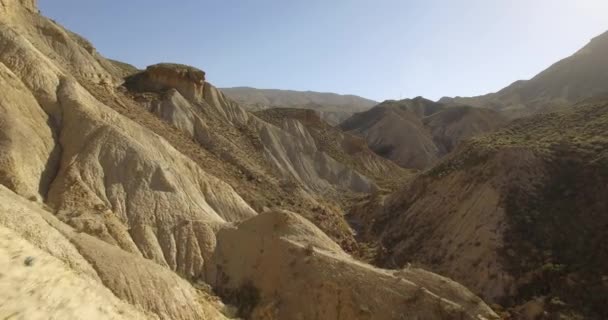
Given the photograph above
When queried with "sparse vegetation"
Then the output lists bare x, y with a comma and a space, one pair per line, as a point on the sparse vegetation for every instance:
558, 230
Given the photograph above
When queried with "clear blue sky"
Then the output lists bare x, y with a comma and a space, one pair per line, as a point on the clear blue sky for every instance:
380, 49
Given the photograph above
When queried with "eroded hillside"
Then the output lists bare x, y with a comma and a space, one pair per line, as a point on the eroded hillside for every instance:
415, 133
519, 215
155, 196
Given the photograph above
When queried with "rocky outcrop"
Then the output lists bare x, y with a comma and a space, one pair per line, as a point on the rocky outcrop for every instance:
157, 193
189, 81
287, 148
294, 152
75, 145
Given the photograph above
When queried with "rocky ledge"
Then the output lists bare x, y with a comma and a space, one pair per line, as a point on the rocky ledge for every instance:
189, 81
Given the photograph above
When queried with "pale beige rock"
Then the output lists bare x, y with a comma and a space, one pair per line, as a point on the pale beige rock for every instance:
189, 81
29, 170
293, 266
144, 283
293, 152
86, 259
26, 219
289, 149
45, 288
156, 192
11, 5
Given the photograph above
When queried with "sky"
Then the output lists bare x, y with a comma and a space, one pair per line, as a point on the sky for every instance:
379, 49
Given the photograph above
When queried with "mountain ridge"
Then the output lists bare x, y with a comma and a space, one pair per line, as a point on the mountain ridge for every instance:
517, 214
332, 107
568, 81
415, 133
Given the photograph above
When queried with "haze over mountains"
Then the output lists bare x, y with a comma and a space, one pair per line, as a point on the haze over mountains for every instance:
333, 108
580, 76
151, 194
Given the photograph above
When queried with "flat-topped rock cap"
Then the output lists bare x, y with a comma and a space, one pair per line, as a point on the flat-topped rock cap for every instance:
182, 70
189, 81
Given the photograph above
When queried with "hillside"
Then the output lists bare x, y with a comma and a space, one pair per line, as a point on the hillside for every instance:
415, 133
518, 215
580, 76
333, 108
147, 194
342, 146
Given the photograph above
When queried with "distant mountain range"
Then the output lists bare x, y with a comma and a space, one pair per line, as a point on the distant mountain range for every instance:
415, 133
333, 108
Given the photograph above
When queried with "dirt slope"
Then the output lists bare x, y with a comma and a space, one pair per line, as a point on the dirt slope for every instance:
514, 215
275, 163
580, 76
68, 274
344, 147
289, 265
415, 133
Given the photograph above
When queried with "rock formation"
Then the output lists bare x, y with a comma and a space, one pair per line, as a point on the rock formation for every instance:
155, 198
415, 133
188, 81
346, 148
